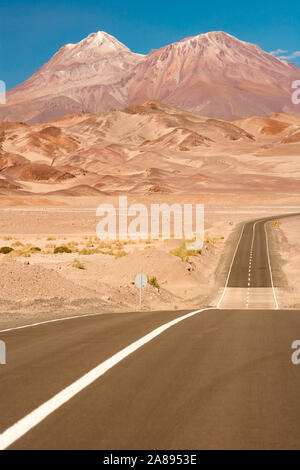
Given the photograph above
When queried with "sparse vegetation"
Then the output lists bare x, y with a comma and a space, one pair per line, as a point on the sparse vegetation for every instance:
50, 245
23, 250
120, 254
77, 264
73, 243
153, 282
17, 243
183, 253
62, 249
4, 250
35, 249
213, 240
89, 251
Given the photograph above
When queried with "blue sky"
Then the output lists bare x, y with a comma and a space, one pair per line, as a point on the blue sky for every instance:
32, 31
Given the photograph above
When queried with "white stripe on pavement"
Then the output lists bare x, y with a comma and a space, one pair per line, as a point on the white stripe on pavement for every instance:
21, 427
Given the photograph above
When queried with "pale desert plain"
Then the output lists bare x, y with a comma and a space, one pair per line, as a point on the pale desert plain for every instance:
55, 175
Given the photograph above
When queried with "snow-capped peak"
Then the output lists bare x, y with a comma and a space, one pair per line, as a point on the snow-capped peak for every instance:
103, 40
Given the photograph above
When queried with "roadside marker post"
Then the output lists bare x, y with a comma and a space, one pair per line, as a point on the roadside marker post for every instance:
141, 282
2, 352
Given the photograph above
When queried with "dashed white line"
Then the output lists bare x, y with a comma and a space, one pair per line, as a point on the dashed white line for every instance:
230, 267
10, 435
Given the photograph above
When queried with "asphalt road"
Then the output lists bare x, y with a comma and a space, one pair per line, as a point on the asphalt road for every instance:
219, 379
254, 239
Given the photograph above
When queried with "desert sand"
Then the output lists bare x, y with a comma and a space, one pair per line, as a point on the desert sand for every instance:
151, 149
54, 176
98, 277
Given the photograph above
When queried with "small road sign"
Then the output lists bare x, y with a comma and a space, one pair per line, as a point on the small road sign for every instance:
141, 282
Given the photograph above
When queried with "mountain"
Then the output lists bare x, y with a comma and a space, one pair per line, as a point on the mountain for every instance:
78, 78
214, 74
149, 148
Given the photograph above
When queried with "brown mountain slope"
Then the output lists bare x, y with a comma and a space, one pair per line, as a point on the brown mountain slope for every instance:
212, 74
150, 148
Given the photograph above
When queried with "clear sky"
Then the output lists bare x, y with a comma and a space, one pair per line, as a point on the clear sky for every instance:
32, 31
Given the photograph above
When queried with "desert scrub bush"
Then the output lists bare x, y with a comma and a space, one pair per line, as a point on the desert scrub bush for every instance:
91, 251
101, 244
77, 264
16, 253
73, 243
7, 237
49, 239
4, 250
153, 282
213, 240
50, 245
183, 253
17, 243
62, 249
73, 248
35, 249
120, 244
120, 254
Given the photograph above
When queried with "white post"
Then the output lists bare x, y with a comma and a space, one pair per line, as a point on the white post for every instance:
2, 352
141, 294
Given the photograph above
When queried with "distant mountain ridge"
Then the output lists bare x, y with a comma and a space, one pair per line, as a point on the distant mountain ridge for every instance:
212, 74
153, 148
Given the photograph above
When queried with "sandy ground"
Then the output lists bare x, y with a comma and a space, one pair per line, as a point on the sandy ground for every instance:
34, 284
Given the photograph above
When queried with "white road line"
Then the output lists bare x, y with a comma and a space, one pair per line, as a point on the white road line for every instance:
50, 321
21, 427
230, 267
253, 235
271, 275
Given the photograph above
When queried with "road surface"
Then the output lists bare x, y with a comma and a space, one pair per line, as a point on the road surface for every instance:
219, 378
